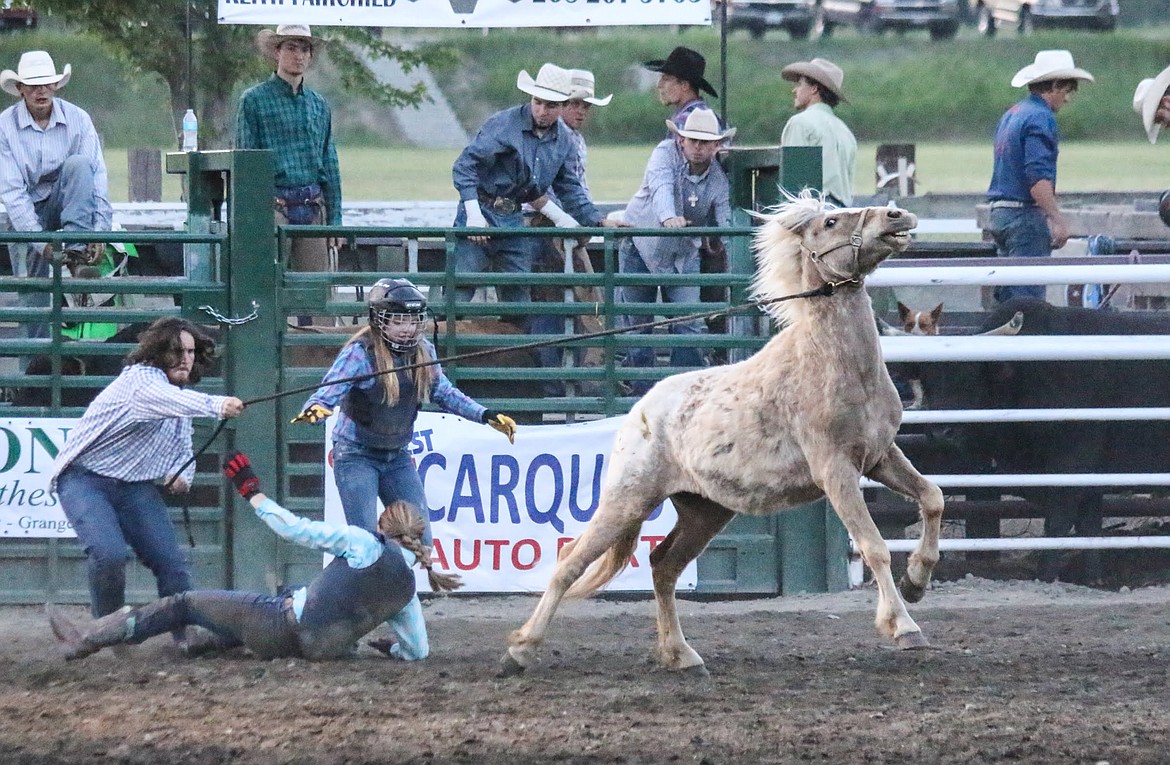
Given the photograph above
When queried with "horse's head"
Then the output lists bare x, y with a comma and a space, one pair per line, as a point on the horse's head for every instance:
805, 243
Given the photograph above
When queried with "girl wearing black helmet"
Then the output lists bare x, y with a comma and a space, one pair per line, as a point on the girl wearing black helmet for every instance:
376, 421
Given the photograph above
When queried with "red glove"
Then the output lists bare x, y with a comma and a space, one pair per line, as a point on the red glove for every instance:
239, 470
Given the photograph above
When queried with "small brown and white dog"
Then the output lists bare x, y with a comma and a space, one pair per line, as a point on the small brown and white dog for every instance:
916, 322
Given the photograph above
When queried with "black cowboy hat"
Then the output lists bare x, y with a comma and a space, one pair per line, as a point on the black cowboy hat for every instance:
685, 64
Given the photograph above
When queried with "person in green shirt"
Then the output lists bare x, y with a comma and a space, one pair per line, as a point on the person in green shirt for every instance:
284, 115
816, 92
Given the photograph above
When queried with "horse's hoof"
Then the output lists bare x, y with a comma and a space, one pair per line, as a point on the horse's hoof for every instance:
696, 672
911, 592
509, 667
911, 641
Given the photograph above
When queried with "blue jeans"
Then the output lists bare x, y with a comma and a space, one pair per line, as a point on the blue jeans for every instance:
108, 514
1020, 232
364, 475
630, 262
262, 623
509, 255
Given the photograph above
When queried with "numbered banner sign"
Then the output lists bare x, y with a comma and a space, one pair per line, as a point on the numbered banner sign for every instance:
501, 512
476, 14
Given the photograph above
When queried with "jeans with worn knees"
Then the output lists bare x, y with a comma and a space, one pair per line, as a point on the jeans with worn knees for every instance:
262, 623
1020, 232
508, 255
364, 475
109, 514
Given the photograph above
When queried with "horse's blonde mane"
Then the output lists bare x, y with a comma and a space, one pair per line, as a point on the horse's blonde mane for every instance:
777, 248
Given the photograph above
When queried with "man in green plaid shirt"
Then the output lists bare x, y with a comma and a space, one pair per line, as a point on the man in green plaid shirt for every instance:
284, 115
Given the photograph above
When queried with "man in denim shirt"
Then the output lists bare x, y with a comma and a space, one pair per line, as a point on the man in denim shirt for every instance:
517, 156
1025, 218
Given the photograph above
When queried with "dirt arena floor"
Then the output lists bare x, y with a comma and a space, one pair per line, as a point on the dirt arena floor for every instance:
1019, 672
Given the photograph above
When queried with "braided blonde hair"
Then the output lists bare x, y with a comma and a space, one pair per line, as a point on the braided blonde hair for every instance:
401, 522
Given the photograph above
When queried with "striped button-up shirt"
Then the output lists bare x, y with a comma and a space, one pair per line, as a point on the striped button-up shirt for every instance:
138, 428
31, 156
297, 127
670, 190
353, 361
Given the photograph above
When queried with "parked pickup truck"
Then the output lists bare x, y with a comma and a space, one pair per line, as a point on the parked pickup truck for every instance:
758, 16
939, 17
1026, 16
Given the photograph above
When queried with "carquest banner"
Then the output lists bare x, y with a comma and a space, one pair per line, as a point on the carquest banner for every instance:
474, 14
500, 512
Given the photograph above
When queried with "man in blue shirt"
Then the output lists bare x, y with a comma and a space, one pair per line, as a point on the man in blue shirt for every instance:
1025, 218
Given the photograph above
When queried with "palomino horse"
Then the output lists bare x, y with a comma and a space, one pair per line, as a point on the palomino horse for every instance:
807, 416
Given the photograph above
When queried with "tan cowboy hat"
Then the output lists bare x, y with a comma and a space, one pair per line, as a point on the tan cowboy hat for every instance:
1146, 99
702, 125
552, 83
819, 70
582, 81
36, 67
1050, 65
268, 41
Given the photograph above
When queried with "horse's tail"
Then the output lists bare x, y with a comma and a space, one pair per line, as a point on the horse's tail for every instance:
611, 563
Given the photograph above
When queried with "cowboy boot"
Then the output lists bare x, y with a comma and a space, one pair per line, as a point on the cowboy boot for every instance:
109, 630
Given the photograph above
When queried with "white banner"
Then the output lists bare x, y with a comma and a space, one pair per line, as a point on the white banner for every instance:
500, 512
476, 14
28, 447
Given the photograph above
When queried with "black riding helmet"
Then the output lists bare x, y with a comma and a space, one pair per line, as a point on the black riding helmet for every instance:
397, 300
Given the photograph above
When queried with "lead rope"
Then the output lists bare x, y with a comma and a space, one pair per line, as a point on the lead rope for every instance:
825, 290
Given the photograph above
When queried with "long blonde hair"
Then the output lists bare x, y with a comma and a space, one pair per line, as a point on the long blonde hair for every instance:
401, 522
424, 377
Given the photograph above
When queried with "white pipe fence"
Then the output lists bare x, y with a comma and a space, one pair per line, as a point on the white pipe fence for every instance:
890, 274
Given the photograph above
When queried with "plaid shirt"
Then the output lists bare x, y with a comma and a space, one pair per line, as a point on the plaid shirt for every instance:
297, 127
353, 361
137, 429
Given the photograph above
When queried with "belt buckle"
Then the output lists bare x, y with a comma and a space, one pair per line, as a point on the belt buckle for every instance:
504, 206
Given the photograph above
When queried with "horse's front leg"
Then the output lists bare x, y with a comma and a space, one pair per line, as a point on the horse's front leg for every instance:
840, 482
896, 472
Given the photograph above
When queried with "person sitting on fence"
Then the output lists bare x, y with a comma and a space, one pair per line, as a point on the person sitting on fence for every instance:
368, 582
371, 456
682, 186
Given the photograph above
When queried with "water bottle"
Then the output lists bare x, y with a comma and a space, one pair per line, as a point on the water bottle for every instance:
190, 131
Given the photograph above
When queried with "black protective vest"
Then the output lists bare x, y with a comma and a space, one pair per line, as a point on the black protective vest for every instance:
344, 603
378, 425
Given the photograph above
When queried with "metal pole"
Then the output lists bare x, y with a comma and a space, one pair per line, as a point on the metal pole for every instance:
723, 60
190, 61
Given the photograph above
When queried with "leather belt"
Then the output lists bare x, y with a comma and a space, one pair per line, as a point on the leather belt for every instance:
1012, 203
499, 205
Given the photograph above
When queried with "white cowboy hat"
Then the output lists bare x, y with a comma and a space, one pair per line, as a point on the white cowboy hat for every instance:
582, 82
1050, 65
702, 125
36, 67
268, 41
818, 70
1146, 99
552, 83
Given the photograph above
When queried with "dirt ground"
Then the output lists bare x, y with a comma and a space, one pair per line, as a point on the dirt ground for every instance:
1019, 672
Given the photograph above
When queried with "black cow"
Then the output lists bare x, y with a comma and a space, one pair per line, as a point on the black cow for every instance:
1052, 447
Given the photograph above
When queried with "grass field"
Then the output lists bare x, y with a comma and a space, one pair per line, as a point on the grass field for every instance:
615, 172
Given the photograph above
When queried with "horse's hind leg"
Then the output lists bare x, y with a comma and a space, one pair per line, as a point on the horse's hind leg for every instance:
896, 472
619, 516
699, 520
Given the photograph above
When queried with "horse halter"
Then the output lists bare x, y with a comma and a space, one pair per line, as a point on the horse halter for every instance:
853, 241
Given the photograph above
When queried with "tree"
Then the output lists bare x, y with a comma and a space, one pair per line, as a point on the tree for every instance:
152, 36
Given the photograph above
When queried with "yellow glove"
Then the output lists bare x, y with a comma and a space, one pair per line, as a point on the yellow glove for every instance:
312, 415
502, 423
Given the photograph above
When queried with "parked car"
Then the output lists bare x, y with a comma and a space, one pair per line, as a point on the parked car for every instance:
758, 16
1025, 16
939, 17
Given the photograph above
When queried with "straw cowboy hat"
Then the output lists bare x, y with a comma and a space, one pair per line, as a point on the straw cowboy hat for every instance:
1146, 99
268, 41
819, 70
685, 64
552, 83
1050, 65
36, 67
582, 81
702, 125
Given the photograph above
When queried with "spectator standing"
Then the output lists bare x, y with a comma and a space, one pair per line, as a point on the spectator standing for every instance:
681, 82
136, 432
582, 98
1025, 218
52, 173
682, 186
517, 156
816, 92
290, 119
1151, 100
